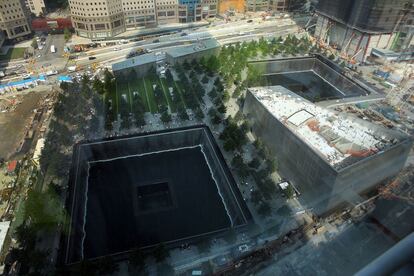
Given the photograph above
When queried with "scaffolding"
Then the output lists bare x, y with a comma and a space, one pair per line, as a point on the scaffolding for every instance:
375, 16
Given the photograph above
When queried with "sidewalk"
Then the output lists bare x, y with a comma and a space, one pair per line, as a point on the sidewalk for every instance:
160, 29
133, 33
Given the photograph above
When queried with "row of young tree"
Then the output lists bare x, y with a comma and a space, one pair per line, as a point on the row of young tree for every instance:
232, 65
43, 215
75, 115
133, 113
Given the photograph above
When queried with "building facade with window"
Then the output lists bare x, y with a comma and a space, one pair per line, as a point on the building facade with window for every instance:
37, 7
14, 19
266, 5
98, 19
139, 13
193, 9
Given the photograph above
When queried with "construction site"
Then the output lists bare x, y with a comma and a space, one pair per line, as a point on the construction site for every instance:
22, 118
356, 27
329, 156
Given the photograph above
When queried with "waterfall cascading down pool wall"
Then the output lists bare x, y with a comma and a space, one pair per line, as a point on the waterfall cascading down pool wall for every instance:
313, 77
170, 186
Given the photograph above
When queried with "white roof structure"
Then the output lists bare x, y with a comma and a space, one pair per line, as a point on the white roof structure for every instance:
200, 46
135, 61
284, 185
300, 117
4, 227
332, 135
38, 150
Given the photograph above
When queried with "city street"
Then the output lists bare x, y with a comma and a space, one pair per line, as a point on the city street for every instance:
226, 33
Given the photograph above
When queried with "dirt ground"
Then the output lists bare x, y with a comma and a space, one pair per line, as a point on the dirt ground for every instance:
13, 124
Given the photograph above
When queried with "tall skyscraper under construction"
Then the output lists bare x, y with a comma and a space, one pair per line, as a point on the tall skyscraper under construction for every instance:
357, 26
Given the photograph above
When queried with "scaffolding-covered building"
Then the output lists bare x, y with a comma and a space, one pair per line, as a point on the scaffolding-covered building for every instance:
330, 157
355, 27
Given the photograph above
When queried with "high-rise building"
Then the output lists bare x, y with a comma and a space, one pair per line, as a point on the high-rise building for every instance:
139, 13
278, 5
357, 26
193, 8
209, 8
405, 34
257, 5
166, 11
266, 5
37, 7
14, 19
106, 18
98, 18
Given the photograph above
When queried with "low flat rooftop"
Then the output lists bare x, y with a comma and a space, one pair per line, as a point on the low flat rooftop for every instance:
202, 45
135, 61
334, 136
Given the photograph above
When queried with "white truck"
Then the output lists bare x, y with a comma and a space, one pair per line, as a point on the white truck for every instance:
51, 73
53, 49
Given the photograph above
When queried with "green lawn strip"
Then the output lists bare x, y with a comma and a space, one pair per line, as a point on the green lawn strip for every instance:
192, 91
130, 97
178, 86
138, 85
111, 97
123, 90
116, 98
150, 94
162, 101
13, 53
167, 94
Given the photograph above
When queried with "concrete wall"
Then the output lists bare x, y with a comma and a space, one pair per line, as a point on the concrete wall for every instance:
228, 188
139, 71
